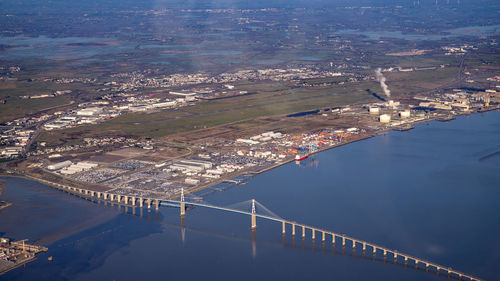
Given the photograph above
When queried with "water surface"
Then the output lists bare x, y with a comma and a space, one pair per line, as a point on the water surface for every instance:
432, 192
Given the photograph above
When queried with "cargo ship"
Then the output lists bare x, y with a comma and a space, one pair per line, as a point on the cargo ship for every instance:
299, 157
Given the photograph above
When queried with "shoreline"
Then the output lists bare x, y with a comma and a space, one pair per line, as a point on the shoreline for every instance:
278, 164
30, 259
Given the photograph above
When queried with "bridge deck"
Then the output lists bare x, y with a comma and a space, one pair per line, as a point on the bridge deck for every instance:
93, 194
395, 253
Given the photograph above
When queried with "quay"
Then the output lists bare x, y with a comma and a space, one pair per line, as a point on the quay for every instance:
16, 253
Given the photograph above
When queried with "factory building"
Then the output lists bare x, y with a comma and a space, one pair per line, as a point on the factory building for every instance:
192, 181
89, 111
191, 165
11, 151
392, 104
59, 165
78, 167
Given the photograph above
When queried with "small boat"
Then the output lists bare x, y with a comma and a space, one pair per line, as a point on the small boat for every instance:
299, 157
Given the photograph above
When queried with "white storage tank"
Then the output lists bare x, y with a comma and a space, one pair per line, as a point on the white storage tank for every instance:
385, 118
374, 110
404, 114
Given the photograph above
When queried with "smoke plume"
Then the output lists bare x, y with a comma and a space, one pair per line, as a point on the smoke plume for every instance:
381, 79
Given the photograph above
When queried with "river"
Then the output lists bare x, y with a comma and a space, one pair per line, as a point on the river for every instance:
431, 192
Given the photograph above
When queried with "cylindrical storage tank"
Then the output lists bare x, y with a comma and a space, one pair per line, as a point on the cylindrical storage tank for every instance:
404, 114
385, 118
374, 110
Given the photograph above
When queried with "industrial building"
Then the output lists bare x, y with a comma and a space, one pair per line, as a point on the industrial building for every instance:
89, 111
59, 165
191, 165
78, 167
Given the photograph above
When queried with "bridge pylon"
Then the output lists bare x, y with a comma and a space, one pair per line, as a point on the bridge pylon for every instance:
183, 204
254, 218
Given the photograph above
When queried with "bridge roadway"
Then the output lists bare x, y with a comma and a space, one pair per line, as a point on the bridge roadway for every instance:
137, 201
395, 254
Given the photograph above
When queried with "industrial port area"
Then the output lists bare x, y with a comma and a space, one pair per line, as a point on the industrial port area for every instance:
135, 171
17, 253
99, 144
161, 168
147, 105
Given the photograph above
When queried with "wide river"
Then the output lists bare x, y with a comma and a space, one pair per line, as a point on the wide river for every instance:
432, 192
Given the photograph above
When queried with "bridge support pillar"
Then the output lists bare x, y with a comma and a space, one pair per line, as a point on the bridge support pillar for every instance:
323, 236
395, 256
283, 225
437, 269
303, 232
293, 229
374, 250
141, 202
125, 199
157, 205
343, 241
426, 266
149, 203
406, 260
353, 244
183, 205
254, 219
183, 209
133, 201
385, 253
364, 247
313, 233
333, 240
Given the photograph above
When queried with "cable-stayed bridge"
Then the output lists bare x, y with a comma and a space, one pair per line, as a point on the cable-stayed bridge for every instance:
255, 210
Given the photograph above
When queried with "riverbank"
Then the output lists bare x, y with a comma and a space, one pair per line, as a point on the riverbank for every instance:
392, 190
359, 138
3, 204
352, 139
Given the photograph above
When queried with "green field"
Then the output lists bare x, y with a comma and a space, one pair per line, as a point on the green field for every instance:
270, 99
212, 113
